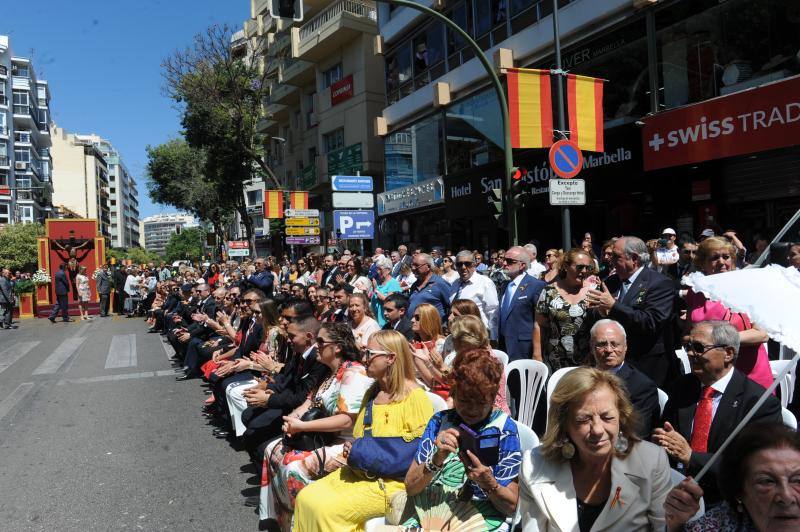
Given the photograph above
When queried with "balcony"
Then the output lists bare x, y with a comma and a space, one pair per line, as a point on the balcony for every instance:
3, 99
4, 162
3, 130
3, 71
340, 23
284, 94
24, 114
297, 72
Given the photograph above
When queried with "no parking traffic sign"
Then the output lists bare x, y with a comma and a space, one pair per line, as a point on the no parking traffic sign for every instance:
566, 159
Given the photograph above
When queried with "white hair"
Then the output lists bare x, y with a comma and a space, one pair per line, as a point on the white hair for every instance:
604, 322
531, 249
384, 262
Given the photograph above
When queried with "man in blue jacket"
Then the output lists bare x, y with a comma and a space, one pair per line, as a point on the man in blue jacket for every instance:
62, 296
262, 279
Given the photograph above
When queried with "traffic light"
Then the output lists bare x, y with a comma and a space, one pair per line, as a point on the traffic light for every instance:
495, 200
519, 191
292, 9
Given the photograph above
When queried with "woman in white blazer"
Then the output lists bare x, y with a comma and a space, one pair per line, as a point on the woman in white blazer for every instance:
591, 472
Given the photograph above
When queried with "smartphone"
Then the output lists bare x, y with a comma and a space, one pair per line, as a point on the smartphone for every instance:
486, 447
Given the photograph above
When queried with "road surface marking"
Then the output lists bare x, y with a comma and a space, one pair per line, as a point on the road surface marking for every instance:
9, 356
19, 393
122, 352
62, 353
120, 377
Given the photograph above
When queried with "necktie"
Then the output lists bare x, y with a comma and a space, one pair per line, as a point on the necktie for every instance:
702, 421
507, 300
624, 289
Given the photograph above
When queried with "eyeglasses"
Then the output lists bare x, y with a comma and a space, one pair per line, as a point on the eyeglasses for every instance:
699, 348
249, 300
605, 345
369, 354
583, 267
549, 255
256, 312
415, 265
322, 342
415, 317
463, 264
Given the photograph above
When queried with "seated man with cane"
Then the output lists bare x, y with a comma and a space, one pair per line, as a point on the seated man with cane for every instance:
707, 405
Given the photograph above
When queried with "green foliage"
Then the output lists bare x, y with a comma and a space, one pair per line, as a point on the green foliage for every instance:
188, 244
136, 255
18, 246
24, 286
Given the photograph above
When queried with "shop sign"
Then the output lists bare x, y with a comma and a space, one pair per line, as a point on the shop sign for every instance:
346, 161
342, 90
539, 175
238, 244
764, 118
422, 194
238, 252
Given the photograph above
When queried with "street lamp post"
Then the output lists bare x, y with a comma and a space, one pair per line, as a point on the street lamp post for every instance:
501, 97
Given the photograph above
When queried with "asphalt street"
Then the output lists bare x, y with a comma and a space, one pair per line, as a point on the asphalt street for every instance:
96, 434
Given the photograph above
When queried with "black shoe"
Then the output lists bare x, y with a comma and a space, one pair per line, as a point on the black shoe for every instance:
52, 320
270, 525
221, 433
68, 319
153, 330
184, 377
252, 501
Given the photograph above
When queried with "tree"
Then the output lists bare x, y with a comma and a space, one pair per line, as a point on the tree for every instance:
221, 93
186, 245
18, 246
136, 255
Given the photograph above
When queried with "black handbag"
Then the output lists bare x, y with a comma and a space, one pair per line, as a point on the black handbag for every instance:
309, 441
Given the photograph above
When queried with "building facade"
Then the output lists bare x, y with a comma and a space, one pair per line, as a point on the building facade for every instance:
685, 61
80, 178
25, 159
326, 90
158, 229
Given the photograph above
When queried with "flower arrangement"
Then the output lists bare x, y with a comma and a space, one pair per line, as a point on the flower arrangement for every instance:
96, 273
41, 277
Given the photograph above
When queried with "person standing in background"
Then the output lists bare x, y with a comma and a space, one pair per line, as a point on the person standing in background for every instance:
103, 282
6, 298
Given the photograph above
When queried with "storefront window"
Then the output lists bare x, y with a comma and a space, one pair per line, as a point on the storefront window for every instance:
414, 154
474, 134
724, 48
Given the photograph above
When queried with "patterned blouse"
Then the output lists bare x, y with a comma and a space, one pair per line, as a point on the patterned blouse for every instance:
721, 518
565, 342
344, 392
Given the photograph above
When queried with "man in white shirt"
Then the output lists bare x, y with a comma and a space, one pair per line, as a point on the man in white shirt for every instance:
478, 288
664, 251
536, 269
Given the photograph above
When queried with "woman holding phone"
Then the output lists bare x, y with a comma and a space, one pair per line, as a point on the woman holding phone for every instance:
466, 467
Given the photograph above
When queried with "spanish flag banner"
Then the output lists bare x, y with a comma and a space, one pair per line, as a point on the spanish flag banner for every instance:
530, 108
585, 101
273, 204
298, 200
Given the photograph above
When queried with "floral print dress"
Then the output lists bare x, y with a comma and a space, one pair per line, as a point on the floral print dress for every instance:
565, 343
287, 471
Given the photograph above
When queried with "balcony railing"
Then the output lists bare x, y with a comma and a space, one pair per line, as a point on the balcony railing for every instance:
3, 160
3, 71
350, 6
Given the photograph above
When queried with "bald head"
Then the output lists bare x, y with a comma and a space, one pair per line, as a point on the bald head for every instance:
517, 261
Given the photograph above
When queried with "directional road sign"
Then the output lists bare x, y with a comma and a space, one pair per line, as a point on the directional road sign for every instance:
353, 200
567, 192
302, 231
296, 222
351, 183
238, 252
302, 240
352, 225
291, 213
566, 159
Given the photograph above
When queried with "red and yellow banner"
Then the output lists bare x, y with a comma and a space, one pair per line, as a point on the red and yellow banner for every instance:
298, 200
273, 204
530, 108
585, 102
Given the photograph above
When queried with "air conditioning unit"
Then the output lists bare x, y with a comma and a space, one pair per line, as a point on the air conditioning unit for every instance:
20, 165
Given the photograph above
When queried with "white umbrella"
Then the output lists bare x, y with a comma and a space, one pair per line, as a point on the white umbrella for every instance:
769, 296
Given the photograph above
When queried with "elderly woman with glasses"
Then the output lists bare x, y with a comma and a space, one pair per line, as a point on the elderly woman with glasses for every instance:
561, 335
717, 255
591, 472
397, 408
292, 464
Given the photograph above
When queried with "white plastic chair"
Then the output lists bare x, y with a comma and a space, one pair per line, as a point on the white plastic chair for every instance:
552, 382
788, 418
527, 438
785, 353
532, 377
676, 477
684, 358
662, 400
438, 403
501, 356
786, 385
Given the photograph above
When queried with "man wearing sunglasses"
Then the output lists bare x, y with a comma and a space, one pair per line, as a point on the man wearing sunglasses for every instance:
518, 305
706, 405
428, 288
476, 287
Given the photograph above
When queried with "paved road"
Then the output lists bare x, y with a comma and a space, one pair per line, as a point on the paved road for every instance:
96, 434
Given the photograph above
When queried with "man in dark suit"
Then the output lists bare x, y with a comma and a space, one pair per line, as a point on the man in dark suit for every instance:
642, 301
394, 310
608, 348
62, 295
120, 276
705, 406
329, 277
290, 387
197, 331
6, 298
103, 281
518, 306
263, 278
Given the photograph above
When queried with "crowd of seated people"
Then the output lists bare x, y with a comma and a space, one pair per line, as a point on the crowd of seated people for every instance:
405, 419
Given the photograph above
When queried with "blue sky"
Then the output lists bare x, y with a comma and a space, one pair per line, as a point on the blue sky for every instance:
102, 60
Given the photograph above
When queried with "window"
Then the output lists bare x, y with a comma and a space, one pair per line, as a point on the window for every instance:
474, 136
333, 140
312, 155
457, 50
398, 73
296, 119
490, 22
22, 155
414, 154
4, 213
311, 116
26, 213
254, 197
331, 76
428, 54
20, 70
20, 98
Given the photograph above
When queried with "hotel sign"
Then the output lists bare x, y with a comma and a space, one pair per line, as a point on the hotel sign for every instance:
418, 195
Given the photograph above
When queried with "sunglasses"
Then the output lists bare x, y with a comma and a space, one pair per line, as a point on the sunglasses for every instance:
699, 348
583, 267
369, 354
322, 342
510, 261
249, 300
463, 264
415, 317
257, 312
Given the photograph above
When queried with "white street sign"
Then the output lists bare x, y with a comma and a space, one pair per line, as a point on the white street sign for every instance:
238, 252
567, 192
301, 213
353, 200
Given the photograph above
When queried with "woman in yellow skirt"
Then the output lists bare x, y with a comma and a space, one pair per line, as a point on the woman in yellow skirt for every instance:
346, 499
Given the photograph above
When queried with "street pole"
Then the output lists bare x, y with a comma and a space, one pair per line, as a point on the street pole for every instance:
501, 98
566, 230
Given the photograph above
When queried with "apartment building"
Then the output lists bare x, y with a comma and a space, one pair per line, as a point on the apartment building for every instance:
158, 229
25, 159
326, 90
80, 178
443, 133
123, 196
